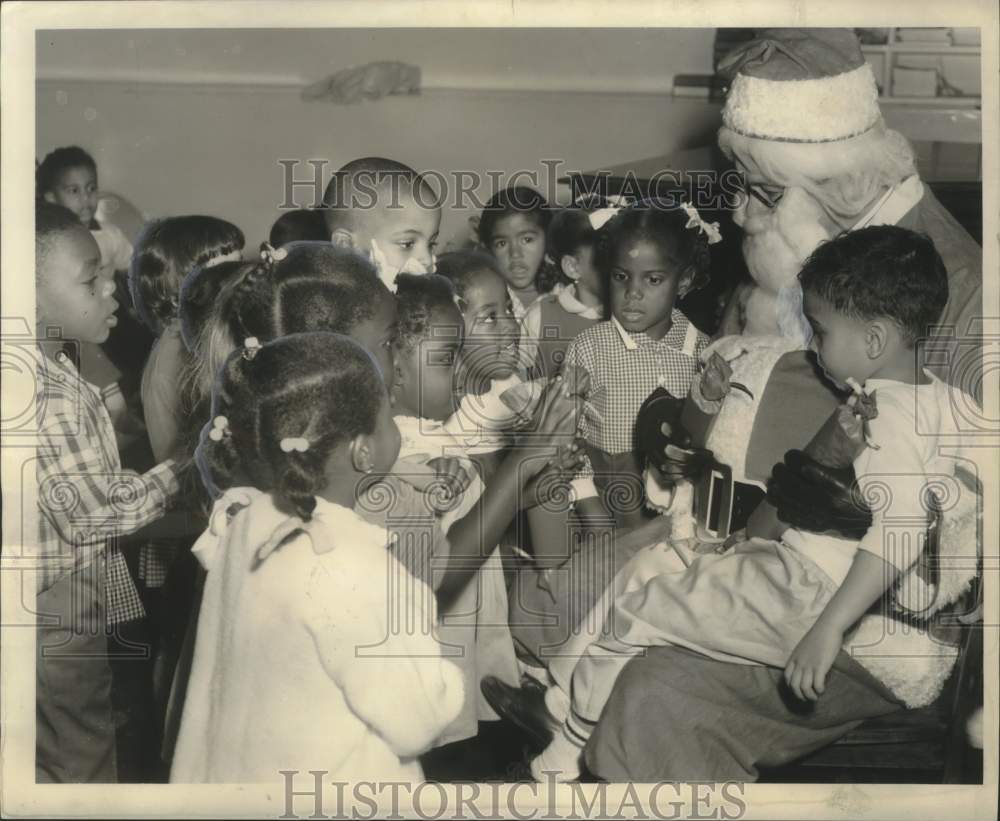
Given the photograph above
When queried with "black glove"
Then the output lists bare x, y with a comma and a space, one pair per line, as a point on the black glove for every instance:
663, 442
813, 497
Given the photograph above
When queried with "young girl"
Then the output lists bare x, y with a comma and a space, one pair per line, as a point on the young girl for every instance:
296, 627
578, 300
166, 251
474, 616
512, 228
652, 255
494, 396
306, 286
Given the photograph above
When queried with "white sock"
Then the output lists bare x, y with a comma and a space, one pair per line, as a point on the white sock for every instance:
557, 700
560, 760
540, 674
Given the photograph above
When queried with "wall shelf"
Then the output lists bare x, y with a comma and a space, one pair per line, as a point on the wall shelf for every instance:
953, 65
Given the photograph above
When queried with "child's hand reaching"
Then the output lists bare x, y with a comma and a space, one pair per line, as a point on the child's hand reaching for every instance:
811, 660
455, 478
558, 413
552, 482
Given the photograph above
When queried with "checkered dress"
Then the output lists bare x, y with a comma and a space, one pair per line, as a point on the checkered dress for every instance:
625, 369
86, 499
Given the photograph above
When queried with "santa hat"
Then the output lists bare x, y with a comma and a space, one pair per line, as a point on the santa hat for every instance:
800, 85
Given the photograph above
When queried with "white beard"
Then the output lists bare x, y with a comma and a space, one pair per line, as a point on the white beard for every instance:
775, 245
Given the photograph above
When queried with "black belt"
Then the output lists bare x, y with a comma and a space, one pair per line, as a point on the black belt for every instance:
722, 505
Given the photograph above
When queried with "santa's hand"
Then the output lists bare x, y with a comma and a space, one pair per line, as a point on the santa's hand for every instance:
813, 497
679, 463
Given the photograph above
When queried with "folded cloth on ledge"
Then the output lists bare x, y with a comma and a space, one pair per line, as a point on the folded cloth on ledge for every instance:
371, 81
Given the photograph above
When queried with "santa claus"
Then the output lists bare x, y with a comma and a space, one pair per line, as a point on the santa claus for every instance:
802, 122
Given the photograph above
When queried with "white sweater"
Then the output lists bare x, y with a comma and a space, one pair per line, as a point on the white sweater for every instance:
295, 667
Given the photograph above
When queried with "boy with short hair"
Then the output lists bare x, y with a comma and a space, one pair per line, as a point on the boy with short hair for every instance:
85, 502
386, 210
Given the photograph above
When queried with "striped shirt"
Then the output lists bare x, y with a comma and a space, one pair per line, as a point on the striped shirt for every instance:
86, 499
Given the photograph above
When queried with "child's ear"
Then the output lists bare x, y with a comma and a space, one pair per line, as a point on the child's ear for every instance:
342, 238
48, 196
570, 266
876, 338
474, 225
362, 453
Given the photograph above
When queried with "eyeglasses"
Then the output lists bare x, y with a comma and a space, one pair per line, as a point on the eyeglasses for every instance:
769, 195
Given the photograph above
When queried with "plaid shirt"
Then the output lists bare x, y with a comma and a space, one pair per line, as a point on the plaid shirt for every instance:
85, 499
625, 369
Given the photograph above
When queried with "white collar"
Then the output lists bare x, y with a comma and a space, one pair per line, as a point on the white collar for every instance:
893, 204
627, 340
272, 526
566, 297
874, 384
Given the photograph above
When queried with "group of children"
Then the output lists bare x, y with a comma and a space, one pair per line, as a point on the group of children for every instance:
370, 438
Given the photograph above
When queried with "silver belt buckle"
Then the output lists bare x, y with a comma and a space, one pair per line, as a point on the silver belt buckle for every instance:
713, 503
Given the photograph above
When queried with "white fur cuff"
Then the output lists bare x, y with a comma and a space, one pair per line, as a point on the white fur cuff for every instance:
820, 110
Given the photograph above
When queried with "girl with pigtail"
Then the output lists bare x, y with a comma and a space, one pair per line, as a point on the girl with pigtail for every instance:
297, 591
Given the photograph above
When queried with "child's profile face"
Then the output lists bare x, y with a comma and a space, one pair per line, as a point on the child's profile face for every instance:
518, 243
377, 333
70, 292
385, 439
405, 235
838, 341
491, 331
643, 288
426, 372
76, 189
590, 279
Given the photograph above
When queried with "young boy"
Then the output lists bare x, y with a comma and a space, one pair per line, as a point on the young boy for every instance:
86, 501
788, 599
387, 210
68, 177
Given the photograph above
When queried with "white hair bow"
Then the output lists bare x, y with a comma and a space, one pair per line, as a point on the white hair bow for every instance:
296, 443
709, 229
601, 216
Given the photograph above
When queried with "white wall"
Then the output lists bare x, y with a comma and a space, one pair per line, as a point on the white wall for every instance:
208, 140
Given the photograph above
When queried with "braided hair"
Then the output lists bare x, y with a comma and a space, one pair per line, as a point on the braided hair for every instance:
303, 287
461, 267
165, 253
322, 388
663, 225
418, 296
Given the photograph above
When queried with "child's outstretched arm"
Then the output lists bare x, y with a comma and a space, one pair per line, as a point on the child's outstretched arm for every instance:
866, 582
472, 537
893, 467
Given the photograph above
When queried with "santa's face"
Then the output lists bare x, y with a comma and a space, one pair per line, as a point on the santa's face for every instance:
780, 234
